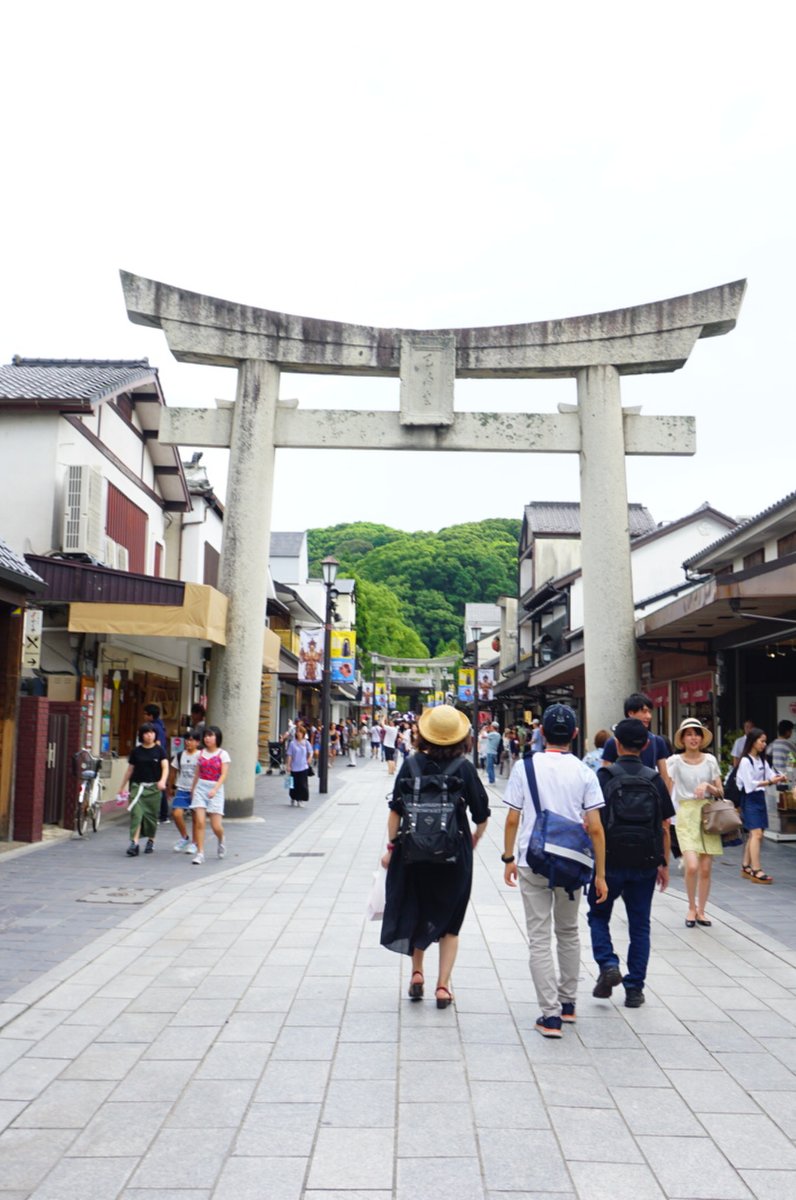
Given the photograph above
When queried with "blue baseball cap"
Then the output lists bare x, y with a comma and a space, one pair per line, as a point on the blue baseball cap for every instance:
559, 721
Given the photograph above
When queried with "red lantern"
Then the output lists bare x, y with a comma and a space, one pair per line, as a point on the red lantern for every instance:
496, 644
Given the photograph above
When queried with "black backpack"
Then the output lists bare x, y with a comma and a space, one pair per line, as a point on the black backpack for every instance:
731, 789
632, 818
429, 825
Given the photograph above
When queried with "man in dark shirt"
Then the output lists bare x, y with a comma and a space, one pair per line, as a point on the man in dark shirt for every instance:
639, 707
634, 883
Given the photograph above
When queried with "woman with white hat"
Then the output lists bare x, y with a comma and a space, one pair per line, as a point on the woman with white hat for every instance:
696, 779
426, 902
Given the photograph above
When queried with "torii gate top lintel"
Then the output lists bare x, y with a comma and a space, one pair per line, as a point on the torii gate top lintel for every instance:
644, 338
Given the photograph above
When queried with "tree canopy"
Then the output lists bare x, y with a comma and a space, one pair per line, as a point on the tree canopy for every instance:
412, 587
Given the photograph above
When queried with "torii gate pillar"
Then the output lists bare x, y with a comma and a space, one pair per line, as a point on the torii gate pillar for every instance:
595, 350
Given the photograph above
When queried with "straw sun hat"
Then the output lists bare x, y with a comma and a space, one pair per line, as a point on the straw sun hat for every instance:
693, 723
443, 725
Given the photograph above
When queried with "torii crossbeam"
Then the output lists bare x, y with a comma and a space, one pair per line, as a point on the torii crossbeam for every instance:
594, 350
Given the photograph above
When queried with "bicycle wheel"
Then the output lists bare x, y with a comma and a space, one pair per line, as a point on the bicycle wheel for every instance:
81, 812
96, 804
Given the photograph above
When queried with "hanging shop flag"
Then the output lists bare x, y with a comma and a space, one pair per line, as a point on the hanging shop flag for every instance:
310, 665
486, 684
343, 655
367, 693
466, 684
381, 695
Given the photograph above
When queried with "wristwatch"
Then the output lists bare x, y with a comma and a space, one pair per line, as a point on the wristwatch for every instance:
507, 858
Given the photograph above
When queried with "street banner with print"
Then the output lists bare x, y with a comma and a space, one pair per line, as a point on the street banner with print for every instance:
343, 655
367, 693
466, 675
310, 665
381, 695
486, 684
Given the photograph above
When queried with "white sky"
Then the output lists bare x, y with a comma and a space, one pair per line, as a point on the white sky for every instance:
415, 164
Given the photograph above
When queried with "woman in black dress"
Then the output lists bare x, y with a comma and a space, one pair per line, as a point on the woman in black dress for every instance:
426, 902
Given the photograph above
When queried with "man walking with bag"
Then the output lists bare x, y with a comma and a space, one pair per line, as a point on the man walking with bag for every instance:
570, 790
636, 818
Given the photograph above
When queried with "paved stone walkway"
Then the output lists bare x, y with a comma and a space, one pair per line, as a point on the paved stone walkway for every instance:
244, 1035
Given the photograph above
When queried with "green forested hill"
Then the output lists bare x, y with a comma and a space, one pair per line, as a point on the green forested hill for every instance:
412, 587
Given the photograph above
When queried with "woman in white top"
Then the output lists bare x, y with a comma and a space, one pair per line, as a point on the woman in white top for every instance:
753, 776
696, 779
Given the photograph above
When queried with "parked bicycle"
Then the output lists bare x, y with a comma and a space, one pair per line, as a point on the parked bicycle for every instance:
89, 802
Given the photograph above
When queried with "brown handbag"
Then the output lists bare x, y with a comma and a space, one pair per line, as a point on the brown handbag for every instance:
721, 816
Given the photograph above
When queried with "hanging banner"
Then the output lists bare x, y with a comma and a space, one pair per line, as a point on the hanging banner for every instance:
381, 695
343, 655
367, 693
695, 691
486, 684
466, 676
310, 665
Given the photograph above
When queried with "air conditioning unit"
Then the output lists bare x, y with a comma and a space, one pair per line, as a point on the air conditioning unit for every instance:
122, 558
109, 557
84, 512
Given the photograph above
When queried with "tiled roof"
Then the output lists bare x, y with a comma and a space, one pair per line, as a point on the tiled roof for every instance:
70, 378
12, 565
286, 545
746, 524
551, 517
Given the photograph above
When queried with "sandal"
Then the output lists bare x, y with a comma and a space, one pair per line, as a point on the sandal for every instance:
746, 869
446, 999
759, 876
416, 989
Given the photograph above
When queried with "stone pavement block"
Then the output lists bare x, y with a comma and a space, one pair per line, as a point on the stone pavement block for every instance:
597, 1135
223, 1101
117, 1130
265, 999
433, 1079
280, 1130
480, 1000
164, 1079
347, 1195
573, 1087
199, 1011
9, 1110
165, 1194
321, 987
654, 1110
751, 1141
510, 1164
723, 1037
252, 1027
711, 1092
488, 1027
607, 1033
568, 1051
670, 985
135, 1027
88, 1178
310, 1012
525, 1111
487, 1062
181, 1042
740, 998
27, 1077
299, 1044
616, 1067
27, 1157
781, 1107
235, 1060
97, 1011
359, 1060
765, 1025
770, 1185
249, 1178
459, 1177
651, 1020
429, 1130
105, 1061
761, 1070
673, 1053
65, 1104
352, 1158
161, 1000
360, 1103
173, 1162
13, 1048
375, 1027
614, 1181
693, 1167
282, 1083
32, 1025
424, 1045
65, 1041
371, 999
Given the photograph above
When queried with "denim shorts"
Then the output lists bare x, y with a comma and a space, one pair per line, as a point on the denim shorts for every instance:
754, 811
181, 799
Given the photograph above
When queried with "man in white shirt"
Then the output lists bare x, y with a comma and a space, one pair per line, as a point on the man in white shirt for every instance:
568, 788
390, 739
740, 742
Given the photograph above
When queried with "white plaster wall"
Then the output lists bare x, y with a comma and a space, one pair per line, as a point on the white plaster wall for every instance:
116, 434
770, 553
291, 569
28, 455
554, 557
199, 526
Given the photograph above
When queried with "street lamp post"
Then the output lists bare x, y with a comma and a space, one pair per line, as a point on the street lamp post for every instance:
476, 631
329, 567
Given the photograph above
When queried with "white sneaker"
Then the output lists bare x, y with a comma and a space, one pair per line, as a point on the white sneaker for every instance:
181, 845
190, 848
198, 860
222, 849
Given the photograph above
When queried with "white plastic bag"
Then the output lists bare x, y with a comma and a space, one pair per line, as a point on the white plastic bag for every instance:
375, 908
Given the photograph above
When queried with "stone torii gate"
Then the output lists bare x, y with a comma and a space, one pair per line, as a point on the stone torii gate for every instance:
595, 350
